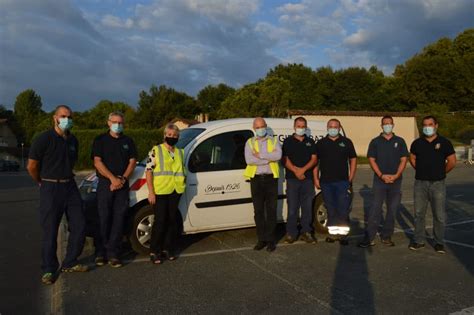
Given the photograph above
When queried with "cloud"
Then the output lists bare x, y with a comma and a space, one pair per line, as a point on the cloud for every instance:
75, 56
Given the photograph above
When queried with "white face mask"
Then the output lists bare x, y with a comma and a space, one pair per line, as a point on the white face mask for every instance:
300, 131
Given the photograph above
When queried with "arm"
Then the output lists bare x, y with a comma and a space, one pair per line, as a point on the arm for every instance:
33, 168
317, 184
251, 159
151, 189
450, 162
116, 183
375, 167
273, 156
132, 163
413, 160
401, 167
352, 168
312, 162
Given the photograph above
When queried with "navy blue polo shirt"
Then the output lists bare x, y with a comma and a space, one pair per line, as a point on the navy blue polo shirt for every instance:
299, 153
115, 153
56, 154
333, 156
431, 157
387, 153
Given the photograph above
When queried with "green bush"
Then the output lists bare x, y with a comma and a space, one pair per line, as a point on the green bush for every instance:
465, 134
144, 140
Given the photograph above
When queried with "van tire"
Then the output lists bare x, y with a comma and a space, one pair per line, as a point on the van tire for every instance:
142, 224
320, 215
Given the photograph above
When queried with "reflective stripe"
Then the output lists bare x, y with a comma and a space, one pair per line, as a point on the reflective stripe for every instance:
162, 173
160, 157
179, 174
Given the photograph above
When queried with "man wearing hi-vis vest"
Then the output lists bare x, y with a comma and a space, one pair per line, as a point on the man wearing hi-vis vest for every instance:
262, 154
165, 177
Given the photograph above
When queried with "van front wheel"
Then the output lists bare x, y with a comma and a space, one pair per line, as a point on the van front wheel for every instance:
141, 230
320, 215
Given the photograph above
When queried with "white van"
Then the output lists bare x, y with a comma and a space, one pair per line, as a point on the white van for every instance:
217, 196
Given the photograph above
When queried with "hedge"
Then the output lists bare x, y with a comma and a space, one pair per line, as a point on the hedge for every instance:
144, 140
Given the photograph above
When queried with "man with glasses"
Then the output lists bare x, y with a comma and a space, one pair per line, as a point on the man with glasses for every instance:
115, 157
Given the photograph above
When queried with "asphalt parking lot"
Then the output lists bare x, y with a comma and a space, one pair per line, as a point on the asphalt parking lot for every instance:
220, 273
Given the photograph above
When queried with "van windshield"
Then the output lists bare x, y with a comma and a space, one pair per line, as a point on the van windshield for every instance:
187, 135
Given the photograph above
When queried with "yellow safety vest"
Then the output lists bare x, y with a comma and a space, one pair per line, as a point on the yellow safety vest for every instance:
251, 170
169, 173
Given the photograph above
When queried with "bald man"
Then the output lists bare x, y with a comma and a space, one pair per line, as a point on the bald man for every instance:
262, 154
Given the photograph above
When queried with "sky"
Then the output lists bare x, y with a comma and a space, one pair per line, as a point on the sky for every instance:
78, 52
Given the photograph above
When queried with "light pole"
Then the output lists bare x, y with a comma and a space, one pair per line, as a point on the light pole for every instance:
22, 159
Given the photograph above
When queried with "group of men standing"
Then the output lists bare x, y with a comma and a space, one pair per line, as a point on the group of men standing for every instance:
330, 165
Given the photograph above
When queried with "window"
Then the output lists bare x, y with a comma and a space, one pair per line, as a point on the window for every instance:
220, 153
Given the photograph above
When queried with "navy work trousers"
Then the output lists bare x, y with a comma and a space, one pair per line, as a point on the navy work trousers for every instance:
391, 195
112, 207
299, 194
265, 198
55, 200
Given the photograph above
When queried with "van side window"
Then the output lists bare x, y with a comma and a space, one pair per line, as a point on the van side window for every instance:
220, 153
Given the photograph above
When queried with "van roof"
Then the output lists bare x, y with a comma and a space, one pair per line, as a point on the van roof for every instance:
271, 122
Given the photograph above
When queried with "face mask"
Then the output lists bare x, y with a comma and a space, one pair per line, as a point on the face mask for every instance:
428, 131
261, 132
171, 141
65, 123
333, 132
300, 131
117, 128
387, 129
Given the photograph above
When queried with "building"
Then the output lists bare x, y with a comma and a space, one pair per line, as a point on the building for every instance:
361, 127
183, 123
7, 137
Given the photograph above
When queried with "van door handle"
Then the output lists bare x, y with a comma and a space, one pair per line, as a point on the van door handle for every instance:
247, 180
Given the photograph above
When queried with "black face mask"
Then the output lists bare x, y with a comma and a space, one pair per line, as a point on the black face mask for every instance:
171, 141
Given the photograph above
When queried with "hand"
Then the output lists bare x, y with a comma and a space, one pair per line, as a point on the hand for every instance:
116, 183
151, 198
299, 173
256, 154
317, 183
387, 179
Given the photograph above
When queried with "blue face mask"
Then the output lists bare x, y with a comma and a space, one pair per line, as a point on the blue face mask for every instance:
261, 132
333, 132
387, 129
429, 131
117, 128
65, 123
300, 131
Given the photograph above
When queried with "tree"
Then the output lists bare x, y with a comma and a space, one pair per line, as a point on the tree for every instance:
96, 117
28, 113
210, 98
162, 104
274, 97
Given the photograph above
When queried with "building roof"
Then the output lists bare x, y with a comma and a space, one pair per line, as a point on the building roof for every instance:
3, 120
349, 113
188, 122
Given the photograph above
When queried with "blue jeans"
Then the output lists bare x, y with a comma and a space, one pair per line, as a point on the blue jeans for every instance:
55, 200
391, 194
433, 192
299, 194
337, 198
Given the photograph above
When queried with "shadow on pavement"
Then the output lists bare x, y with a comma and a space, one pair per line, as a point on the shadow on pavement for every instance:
352, 291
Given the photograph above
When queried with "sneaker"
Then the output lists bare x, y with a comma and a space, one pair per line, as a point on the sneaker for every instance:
308, 238
289, 239
259, 246
76, 268
99, 261
47, 278
115, 263
439, 249
387, 242
416, 246
366, 243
